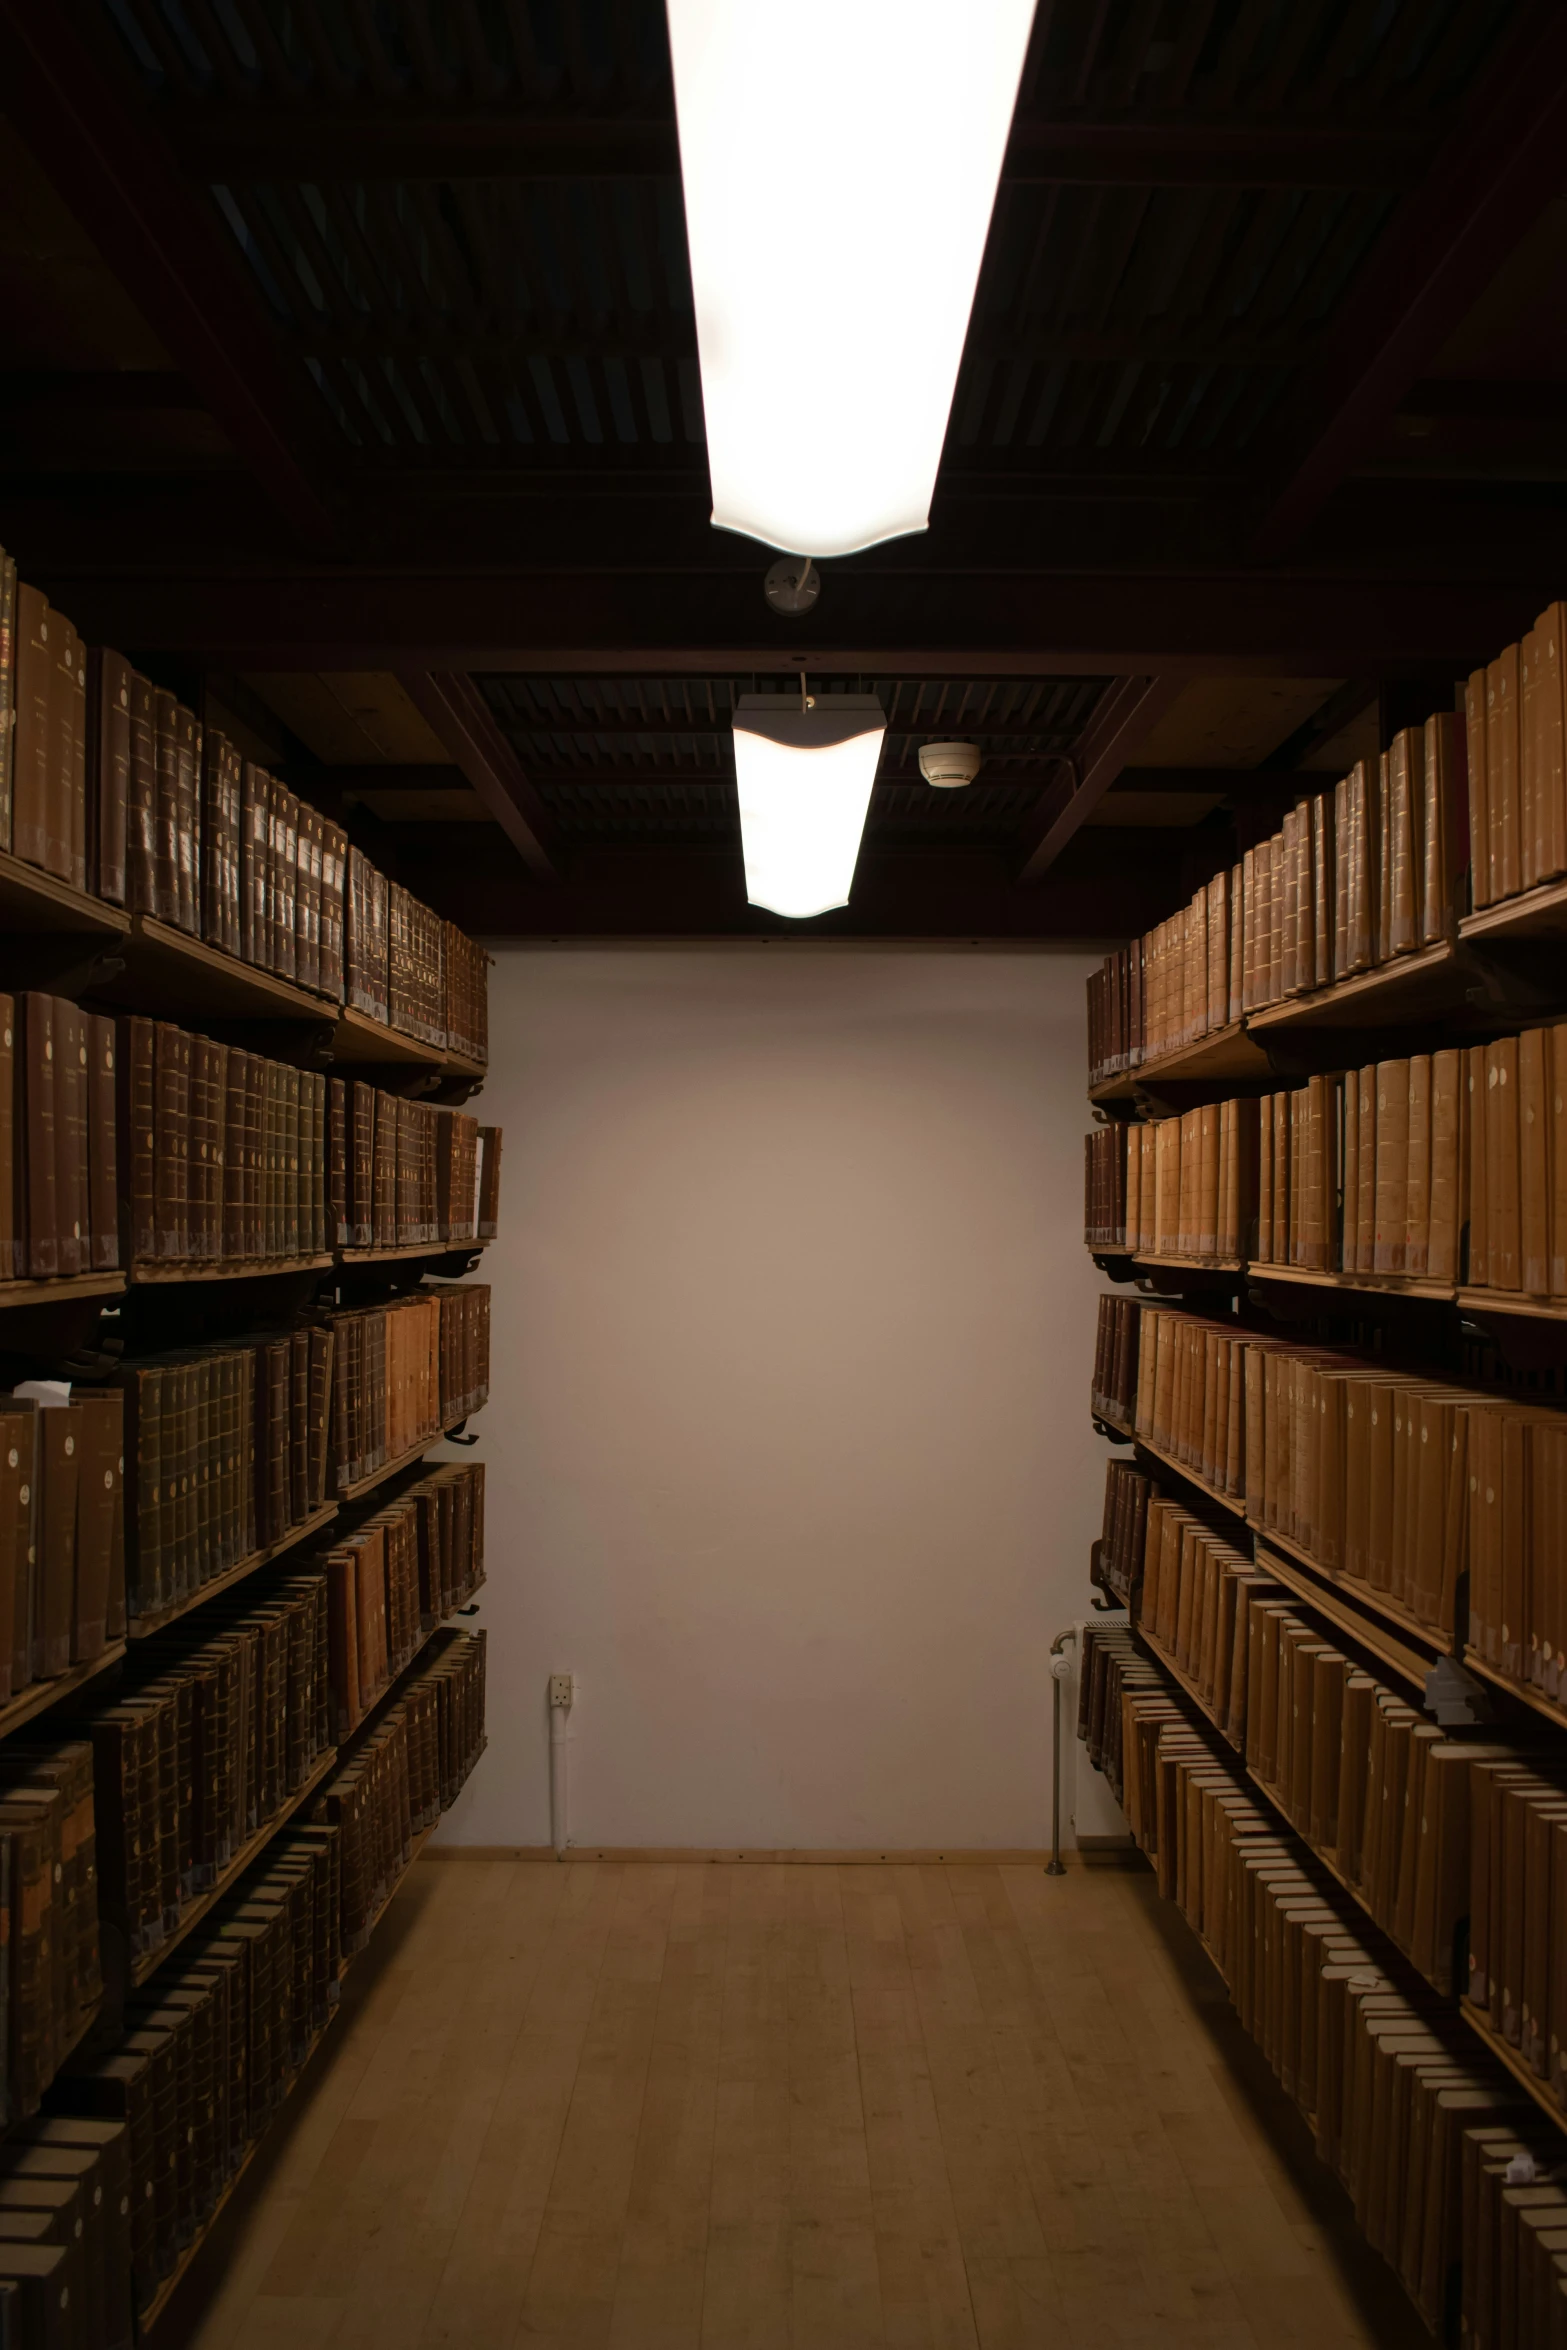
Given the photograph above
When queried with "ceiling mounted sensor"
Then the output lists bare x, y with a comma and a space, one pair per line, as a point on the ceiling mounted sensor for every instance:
804, 770
792, 586
840, 161
949, 765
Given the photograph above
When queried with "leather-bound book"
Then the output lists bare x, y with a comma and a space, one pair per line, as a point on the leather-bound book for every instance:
171, 1161
17, 1480
1501, 1164
141, 805
1551, 749
1343, 837
1360, 810
54, 1587
252, 864
1501, 750
489, 1181
73, 747
109, 767
13, 1175
70, 1139
101, 1443
1534, 1169
1344, 1260
1380, 855
1323, 889
136, 1129
289, 1083
1366, 1194
1447, 1079
1477, 1266
1442, 746
1531, 805
7, 691
1556, 1098
166, 754
1319, 1176
1417, 1224
1405, 785
334, 874
187, 766
39, 1112
32, 760
286, 880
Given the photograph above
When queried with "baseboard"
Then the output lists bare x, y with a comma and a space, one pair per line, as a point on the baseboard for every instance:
951, 1856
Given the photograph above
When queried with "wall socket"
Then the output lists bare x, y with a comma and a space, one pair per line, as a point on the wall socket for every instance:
563, 1688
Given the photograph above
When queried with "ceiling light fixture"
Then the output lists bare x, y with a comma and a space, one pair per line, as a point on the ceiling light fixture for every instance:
840, 161
804, 771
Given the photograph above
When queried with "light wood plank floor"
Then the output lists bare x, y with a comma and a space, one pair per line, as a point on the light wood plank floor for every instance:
715, 2107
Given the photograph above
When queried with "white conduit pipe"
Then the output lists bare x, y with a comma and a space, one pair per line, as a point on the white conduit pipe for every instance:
560, 1763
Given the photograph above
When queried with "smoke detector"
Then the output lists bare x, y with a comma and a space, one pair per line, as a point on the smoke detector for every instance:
792, 586
947, 765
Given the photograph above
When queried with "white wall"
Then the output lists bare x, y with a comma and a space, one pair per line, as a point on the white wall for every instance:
789, 1457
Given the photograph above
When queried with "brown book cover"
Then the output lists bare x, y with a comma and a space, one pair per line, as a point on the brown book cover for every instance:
1366, 1196
33, 747
166, 833
7, 693
1478, 1222
187, 761
17, 1481
101, 1442
54, 1591
254, 805
1534, 1174
1478, 772
79, 824
1531, 805
1551, 628
136, 1128
235, 1153
1501, 748
171, 1164
1439, 827
37, 1125
10, 1131
70, 1139
1405, 779
1417, 1225
1380, 854
109, 762
1447, 1077
1501, 1163
489, 1181
1323, 890
141, 807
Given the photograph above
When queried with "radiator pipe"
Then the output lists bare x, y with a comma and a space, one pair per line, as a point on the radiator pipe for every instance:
1059, 1669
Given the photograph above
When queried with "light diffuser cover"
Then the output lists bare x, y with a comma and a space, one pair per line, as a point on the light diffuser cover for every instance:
840, 161
804, 779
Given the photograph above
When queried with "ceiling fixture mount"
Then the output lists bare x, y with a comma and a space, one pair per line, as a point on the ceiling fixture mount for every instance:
949, 766
792, 586
840, 161
804, 770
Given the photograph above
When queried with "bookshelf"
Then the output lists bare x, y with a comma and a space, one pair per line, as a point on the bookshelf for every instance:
32, 901
403, 1460
144, 1625
66, 1289
1535, 913
39, 1696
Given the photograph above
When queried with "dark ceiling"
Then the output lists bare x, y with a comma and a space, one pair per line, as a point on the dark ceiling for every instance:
355, 340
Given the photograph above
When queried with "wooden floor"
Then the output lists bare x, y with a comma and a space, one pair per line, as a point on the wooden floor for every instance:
654, 2105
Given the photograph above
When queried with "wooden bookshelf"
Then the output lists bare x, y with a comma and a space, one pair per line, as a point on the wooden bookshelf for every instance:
407, 1250
1536, 913
39, 1696
32, 900
1409, 987
62, 1291
1366, 1284
169, 972
1548, 1708
151, 1274
361, 1039
464, 1065
1356, 1595
1224, 1052
1224, 1501
1190, 1264
142, 1627
403, 1460
1513, 1301
1512, 2059
141, 1969
1335, 1604
1167, 1664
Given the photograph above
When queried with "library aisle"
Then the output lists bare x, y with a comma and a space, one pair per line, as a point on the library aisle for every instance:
719, 2104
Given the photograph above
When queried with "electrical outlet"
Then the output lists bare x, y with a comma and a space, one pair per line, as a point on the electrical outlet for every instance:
563, 1688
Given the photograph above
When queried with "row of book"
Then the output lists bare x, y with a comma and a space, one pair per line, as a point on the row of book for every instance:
1517, 1954
1513, 711
217, 1731
1114, 1390
1448, 1167
111, 784
1354, 877
1124, 1533
1192, 1591
59, 1168
62, 1530
50, 1975
231, 1157
141, 2138
392, 1578
227, 1447
1400, 2097
403, 1372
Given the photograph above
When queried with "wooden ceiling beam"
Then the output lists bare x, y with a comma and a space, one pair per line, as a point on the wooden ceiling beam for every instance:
460, 716
412, 141
1486, 187
905, 624
1120, 725
166, 251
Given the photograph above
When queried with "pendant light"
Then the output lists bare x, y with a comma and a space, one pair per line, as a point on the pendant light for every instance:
804, 769
840, 161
